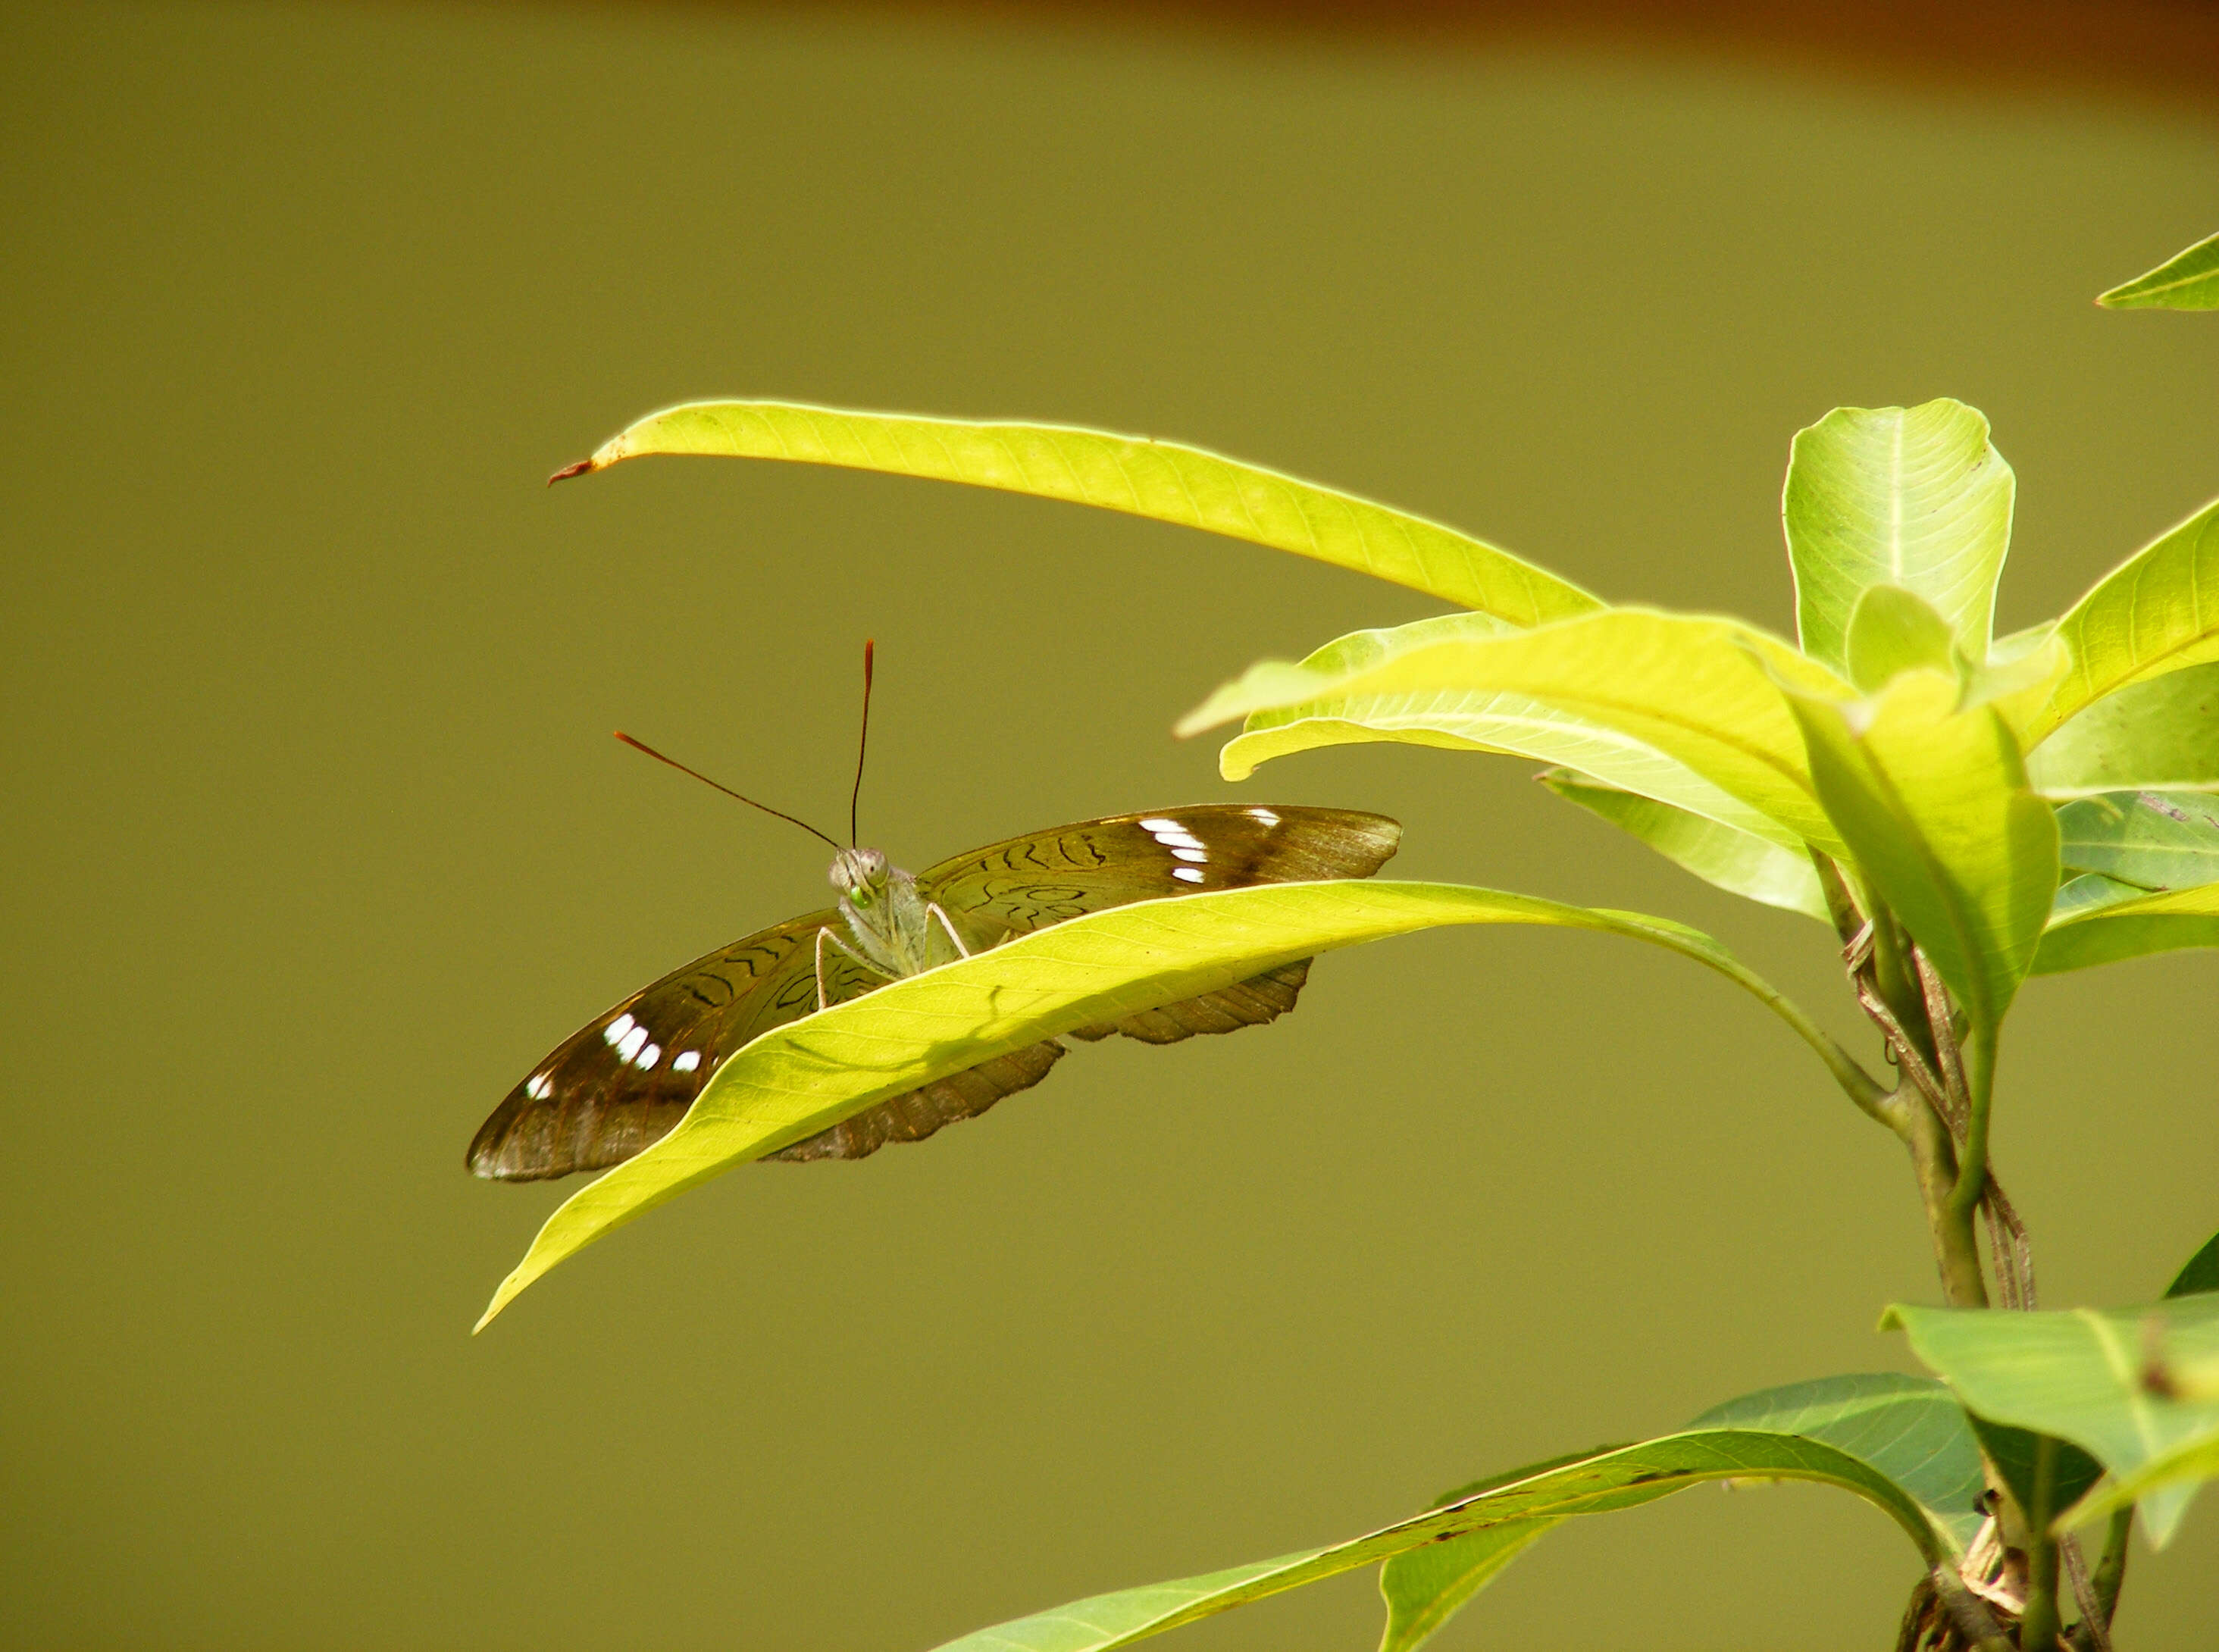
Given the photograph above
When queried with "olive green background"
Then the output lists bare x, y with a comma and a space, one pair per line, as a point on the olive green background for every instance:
317, 838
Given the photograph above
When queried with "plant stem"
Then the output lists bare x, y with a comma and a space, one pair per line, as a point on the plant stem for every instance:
2111, 1570
1934, 1161
1979, 1057
2039, 1625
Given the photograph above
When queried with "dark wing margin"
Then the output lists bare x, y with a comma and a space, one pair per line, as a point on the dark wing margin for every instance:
623, 1081
1029, 882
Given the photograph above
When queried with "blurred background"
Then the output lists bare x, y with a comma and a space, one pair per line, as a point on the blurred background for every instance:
317, 839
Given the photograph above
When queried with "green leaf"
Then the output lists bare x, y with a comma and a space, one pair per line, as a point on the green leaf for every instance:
2092, 891
1910, 1429
2200, 1273
2017, 1453
2157, 612
1736, 860
1912, 497
1136, 475
2155, 839
2094, 1378
808, 1075
1623, 1477
2159, 734
2187, 281
1424, 1587
1892, 631
1695, 689
1473, 720
2165, 921
1933, 804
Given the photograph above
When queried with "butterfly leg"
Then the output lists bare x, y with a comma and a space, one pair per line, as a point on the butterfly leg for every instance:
826, 935
935, 908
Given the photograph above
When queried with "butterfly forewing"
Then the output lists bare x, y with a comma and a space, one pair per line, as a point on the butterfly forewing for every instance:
623, 1081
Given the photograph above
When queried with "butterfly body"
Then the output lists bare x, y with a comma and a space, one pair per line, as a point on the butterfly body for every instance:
624, 1079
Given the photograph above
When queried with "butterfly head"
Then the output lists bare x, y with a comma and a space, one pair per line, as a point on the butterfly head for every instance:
860, 875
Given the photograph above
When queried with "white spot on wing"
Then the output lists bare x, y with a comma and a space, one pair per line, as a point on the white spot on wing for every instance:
1178, 839
617, 1030
1189, 854
538, 1087
632, 1040
1192, 874
685, 1061
1264, 815
647, 1058
1161, 826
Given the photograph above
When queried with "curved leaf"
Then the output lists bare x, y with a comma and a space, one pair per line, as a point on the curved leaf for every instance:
808, 1075
1625, 1477
1911, 497
1910, 1429
2101, 1380
2189, 280
1933, 802
2200, 1273
1740, 862
1695, 689
2165, 921
2161, 734
1892, 631
2155, 612
1139, 476
1474, 720
2155, 839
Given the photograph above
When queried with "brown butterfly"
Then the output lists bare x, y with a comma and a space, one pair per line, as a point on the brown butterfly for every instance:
626, 1078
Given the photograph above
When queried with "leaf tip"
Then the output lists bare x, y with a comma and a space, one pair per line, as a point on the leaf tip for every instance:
575, 467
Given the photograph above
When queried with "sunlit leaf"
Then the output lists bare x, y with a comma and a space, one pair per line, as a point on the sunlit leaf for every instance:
1742, 862
1910, 1429
2117, 1384
2155, 612
1892, 631
2165, 921
1700, 690
1621, 1478
2187, 281
1933, 802
2161, 734
1912, 497
2155, 839
1135, 474
1474, 720
808, 1075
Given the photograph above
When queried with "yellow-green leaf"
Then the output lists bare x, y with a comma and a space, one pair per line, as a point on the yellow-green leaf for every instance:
1934, 803
808, 1075
2159, 734
2105, 934
1911, 497
2155, 612
1700, 690
1749, 866
1139, 476
1477, 721
2189, 280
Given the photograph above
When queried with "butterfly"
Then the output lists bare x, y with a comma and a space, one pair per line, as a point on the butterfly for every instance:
623, 1080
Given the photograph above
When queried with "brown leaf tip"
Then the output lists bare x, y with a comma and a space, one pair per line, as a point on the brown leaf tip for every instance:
569, 470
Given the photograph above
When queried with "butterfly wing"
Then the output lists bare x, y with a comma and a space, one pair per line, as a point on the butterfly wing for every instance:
622, 1081
1028, 883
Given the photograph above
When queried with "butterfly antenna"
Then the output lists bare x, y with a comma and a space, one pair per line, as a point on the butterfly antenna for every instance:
641, 745
863, 743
